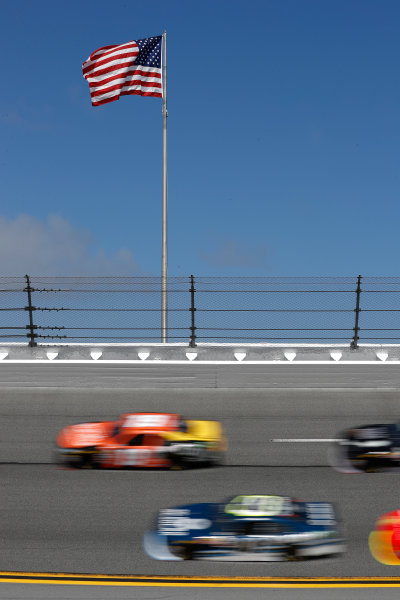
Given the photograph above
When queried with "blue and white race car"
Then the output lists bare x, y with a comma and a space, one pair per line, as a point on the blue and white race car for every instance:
246, 528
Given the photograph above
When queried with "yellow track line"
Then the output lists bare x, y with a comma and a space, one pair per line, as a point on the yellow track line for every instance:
191, 581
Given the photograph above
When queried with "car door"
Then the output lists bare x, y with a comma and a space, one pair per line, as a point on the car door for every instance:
142, 450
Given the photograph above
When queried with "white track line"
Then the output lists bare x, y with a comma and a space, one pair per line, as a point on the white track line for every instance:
194, 362
295, 441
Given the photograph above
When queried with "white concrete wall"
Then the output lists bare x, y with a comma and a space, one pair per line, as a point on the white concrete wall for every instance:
203, 353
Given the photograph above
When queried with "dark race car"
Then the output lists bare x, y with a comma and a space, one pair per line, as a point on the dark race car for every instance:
368, 448
246, 528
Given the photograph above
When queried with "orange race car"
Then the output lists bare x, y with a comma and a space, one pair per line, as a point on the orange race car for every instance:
155, 440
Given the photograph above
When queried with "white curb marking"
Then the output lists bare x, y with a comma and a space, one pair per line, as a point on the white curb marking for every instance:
294, 440
239, 364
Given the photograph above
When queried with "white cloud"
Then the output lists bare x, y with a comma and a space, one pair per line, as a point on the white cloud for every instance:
231, 253
25, 118
55, 247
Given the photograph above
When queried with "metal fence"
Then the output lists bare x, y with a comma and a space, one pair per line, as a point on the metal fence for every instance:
200, 309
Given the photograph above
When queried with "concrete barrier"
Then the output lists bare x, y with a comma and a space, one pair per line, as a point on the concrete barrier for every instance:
202, 353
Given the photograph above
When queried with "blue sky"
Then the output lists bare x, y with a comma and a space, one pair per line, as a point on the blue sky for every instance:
283, 140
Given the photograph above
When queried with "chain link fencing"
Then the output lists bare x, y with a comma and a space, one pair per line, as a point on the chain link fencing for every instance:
200, 309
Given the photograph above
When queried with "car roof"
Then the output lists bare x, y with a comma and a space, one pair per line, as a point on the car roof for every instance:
150, 421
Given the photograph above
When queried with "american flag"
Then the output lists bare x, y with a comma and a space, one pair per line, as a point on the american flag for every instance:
131, 68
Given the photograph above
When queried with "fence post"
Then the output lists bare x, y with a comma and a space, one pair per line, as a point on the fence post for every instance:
192, 343
30, 308
357, 310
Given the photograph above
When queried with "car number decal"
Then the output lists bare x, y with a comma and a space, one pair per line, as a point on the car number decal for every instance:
320, 513
131, 457
255, 506
178, 522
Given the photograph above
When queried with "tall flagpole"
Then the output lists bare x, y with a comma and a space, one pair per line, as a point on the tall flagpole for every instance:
164, 253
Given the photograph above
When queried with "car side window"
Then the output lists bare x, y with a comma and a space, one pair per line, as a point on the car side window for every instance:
152, 439
267, 528
137, 440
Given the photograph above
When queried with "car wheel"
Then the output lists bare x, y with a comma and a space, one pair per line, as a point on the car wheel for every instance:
84, 461
218, 459
184, 551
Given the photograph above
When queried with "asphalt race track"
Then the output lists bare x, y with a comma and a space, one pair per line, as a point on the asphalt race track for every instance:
55, 520
197, 375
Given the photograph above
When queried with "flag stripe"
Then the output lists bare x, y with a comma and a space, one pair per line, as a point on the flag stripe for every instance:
121, 82
133, 68
107, 50
98, 102
125, 84
114, 52
111, 68
109, 62
127, 89
123, 72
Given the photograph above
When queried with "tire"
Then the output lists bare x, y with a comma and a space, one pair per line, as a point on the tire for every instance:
293, 553
85, 460
200, 459
339, 459
217, 460
184, 551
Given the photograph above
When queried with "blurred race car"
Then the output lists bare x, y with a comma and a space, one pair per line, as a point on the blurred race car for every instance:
142, 440
369, 448
246, 528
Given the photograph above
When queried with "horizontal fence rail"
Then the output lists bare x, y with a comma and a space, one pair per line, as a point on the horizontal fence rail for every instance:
200, 309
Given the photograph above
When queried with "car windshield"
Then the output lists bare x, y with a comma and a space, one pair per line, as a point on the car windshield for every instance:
255, 505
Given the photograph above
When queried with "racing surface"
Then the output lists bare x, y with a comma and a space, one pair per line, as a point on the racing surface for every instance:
197, 375
93, 521
42, 592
